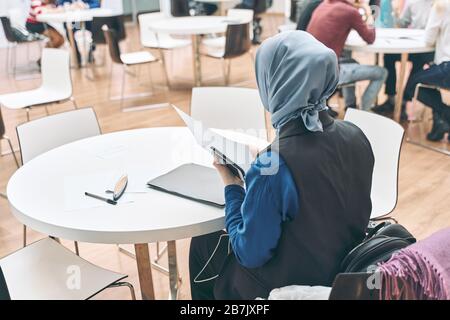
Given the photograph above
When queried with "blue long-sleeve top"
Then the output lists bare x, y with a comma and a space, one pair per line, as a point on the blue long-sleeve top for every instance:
254, 215
90, 3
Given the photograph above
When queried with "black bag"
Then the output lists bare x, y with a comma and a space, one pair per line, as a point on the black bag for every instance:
23, 35
4, 293
378, 246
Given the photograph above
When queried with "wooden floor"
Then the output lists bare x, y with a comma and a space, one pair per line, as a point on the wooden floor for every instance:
423, 204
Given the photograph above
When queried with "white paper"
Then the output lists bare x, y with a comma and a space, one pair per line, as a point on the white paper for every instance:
238, 153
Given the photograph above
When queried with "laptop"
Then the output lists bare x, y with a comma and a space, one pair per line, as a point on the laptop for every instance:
194, 182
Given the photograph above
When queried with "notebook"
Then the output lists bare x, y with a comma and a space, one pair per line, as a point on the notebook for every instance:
194, 182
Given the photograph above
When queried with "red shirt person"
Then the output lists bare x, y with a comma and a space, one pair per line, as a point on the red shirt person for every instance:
331, 24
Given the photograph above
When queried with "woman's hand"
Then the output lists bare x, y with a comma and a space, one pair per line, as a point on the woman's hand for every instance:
227, 177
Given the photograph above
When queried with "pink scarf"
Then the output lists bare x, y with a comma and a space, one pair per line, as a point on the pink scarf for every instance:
420, 271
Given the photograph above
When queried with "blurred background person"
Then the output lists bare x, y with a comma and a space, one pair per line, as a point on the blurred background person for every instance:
55, 39
415, 16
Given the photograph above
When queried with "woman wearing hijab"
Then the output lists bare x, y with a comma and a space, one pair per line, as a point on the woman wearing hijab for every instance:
306, 201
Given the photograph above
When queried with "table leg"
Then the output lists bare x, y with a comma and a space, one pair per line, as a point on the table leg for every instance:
173, 270
134, 11
400, 87
85, 45
145, 271
196, 58
72, 42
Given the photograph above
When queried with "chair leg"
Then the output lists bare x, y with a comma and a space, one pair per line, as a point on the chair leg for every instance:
228, 72
28, 52
164, 65
151, 77
125, 284
77, 250
46, 111
8, 56
159, 252
74, 103
24, 236
122, 93
12, 150
110, 80
28, 114
15, 61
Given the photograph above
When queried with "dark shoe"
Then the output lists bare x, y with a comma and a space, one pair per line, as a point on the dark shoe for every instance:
384, 108
403, 115
439, 130
332, 113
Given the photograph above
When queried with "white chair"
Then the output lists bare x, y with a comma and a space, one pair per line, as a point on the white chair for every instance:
39, 136
237, 44
56, 84
241, 16
385, 137
132, 59
230, 108
45, 270
160, 41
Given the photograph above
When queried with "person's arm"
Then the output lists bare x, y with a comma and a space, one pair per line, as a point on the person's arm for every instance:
253, 217
433, 27
366, 32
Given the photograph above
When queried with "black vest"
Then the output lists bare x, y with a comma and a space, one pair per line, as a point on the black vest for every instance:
333, 174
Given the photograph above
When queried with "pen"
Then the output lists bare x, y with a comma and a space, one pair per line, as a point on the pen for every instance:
100, 198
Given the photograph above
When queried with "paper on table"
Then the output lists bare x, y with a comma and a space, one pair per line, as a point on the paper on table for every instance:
237, 152
76, 186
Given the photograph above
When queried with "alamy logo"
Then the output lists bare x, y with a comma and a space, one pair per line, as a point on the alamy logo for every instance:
374, 280
73, 281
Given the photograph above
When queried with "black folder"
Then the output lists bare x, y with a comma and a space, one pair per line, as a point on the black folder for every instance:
194, 182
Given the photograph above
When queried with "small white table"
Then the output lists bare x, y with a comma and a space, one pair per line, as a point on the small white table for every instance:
71, 16
195, 27
37, 195
393, 41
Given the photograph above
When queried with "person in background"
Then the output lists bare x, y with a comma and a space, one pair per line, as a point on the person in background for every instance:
437, 33
85, 4
37, 7
205, 8
331, 24
386, 13
415, 16
306, 200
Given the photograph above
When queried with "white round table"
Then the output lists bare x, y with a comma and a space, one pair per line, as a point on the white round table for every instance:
70, 16
46, 194
73, 15
393, 41
195, 27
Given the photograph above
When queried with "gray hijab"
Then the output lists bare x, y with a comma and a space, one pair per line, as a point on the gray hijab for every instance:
296, 74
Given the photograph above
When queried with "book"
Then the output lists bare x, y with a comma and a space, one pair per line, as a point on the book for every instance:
235, 155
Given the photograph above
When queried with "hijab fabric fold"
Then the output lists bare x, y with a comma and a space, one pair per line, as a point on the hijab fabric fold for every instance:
296, 75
